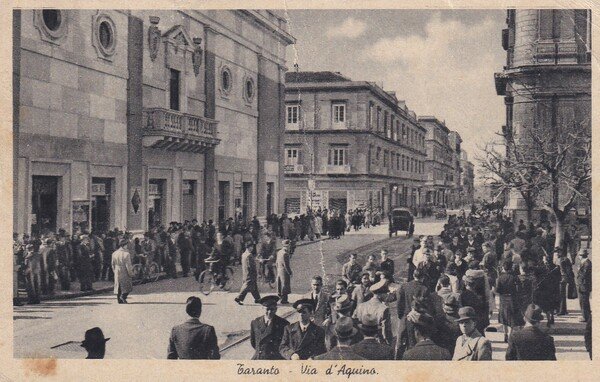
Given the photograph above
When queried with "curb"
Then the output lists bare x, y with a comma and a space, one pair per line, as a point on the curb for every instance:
57, 297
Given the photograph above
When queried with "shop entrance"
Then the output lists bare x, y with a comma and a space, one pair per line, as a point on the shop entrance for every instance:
44, 204
189, 200
102, 203
223, 200
156, 203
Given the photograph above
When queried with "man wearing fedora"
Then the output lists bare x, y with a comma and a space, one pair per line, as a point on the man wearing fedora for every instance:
249, 276
267, 330
370, 347
425, 349
123, 271
303, 339
584, 285
320, 300
193, 339
345, 331
342, 307
471, 345
377, 307
448, 329
284, 271
531, 343
94, 343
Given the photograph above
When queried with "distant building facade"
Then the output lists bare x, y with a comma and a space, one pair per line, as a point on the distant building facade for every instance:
131, 119
349, 144
467, 180
456, 187
546, 82
439, 165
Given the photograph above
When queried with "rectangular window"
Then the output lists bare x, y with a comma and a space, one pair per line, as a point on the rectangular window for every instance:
403, 163
392, 127
292, 156
378, 153
174, 90
292, 116
398, 162
385, 158
338, 156
339, 115
371, 115
378, 118
385, 123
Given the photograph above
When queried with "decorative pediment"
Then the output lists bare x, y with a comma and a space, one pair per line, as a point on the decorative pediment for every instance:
178, 36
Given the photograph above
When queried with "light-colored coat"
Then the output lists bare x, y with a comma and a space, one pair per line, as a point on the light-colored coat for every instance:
284, 272
472, 348
123, 270
380, 310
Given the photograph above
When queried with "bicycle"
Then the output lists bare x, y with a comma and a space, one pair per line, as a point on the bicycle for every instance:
265, 273
145, 270
209, 279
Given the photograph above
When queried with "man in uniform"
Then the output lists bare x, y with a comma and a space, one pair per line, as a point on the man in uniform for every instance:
266, 331
370, 347
284, 272
344, 332
531, 343
377, 307
471, 346
193, 339
320, 300
303, 339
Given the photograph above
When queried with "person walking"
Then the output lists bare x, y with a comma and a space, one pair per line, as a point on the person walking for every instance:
266, 331
123, 271
471, 345
584, 285
507, 288
567, 282
193, 339
303, 339
249, 276
284, 272
531, 343
32, 263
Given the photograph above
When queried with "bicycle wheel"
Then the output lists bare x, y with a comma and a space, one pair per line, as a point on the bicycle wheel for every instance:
153, 271
207, 282
228, 279
137, 272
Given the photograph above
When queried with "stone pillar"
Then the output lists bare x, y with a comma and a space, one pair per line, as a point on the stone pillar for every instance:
209, 112
16, 107
135, 187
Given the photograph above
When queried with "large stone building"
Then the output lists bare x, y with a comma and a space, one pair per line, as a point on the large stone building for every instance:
546, 82
349, 144
456, 187
130, 118
439, 165
467, 180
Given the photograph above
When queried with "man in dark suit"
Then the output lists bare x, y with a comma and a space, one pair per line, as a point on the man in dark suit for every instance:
387, 266
320, 300
303, 339
425, 349
584, 285
370, 347
266, 331
193, 339
344, 332
531, 343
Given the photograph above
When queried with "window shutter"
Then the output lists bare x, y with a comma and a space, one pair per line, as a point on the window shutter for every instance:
300, 156
345, 156
330, 157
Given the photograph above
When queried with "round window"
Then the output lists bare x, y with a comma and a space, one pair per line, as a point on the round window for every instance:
249, 89
52, 19
106, 35
226, 80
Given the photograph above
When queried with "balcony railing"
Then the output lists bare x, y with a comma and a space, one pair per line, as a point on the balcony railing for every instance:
293, 168
173, 130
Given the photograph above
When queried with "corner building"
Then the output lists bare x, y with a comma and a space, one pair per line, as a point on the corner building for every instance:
349, 144
135, 118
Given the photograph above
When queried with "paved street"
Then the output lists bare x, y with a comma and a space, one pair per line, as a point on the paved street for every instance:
141, 329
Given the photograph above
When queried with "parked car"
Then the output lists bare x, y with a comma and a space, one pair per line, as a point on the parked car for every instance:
401, 219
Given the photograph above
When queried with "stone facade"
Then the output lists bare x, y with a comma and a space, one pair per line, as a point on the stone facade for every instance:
360, 146
547, 77
126, 118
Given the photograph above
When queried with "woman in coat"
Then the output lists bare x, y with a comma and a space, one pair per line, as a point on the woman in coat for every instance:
123, 270
507, 289
567, 282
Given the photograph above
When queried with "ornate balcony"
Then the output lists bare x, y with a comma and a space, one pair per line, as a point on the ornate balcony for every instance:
176, 131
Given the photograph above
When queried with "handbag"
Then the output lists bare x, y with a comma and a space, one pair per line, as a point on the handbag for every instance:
571, 291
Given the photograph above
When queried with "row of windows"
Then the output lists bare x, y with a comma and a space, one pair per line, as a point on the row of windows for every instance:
336, 156
400, 162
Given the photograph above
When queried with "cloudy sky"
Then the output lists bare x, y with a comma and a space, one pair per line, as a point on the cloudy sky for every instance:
441, 62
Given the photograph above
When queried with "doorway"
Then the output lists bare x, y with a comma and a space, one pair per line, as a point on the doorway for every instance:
44, 204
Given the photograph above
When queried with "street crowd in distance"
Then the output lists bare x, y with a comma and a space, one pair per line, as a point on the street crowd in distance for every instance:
443, 308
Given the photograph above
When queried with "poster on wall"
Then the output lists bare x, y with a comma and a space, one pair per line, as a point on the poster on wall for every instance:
81, 215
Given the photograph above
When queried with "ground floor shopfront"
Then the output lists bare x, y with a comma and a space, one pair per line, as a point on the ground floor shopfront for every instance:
344, 195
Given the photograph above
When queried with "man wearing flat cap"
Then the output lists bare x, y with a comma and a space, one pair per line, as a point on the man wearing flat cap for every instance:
425, 349
267, 330
370, 347
471, 345
345, 331
94, 343
303, 339
531, 343
284, 271
377, 307
193, 339
342, 307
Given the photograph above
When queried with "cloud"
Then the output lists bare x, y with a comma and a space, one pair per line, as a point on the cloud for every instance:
448, 72
350, 28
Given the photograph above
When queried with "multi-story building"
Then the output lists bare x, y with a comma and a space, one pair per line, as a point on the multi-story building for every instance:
467, 180
439, 165
546, 82
455, 141
133, 118
349, 144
